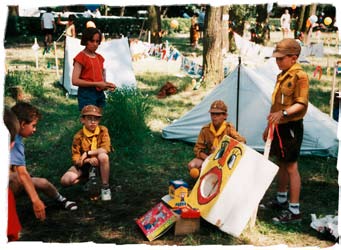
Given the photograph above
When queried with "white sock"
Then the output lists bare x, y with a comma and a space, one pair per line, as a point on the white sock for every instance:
59, 197
294, 208
282, 197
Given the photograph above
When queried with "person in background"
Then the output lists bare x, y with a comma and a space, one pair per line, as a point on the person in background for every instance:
88, 71
70, 29
285, 23
289, 106
48, 26
211, 134
194, 31
13, 222
19, 178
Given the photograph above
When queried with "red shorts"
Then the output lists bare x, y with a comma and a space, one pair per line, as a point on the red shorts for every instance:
13, 223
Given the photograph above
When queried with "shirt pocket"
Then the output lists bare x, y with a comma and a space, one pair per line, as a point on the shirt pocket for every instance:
287, 93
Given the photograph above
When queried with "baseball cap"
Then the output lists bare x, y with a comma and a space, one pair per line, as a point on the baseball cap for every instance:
91, 110
218, 107
287, 46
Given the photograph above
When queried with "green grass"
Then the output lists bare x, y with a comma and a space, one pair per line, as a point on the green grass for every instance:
142, 165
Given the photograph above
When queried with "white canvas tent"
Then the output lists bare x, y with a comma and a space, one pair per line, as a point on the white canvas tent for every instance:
255, 89
118, 64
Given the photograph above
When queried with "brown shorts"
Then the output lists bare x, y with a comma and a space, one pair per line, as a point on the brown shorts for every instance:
291, 135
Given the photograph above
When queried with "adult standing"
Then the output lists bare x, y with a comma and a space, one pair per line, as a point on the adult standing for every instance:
48, 26
285, 23
289, 105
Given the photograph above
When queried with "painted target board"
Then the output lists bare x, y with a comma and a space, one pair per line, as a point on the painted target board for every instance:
232, 182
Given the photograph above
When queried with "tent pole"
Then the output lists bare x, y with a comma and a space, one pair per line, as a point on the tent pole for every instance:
238, 83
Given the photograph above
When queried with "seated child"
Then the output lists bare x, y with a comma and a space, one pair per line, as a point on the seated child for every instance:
90, 149
212, 133
20, 178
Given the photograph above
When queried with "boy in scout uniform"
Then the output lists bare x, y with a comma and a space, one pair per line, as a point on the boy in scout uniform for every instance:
211, 134
90, 148
289, 105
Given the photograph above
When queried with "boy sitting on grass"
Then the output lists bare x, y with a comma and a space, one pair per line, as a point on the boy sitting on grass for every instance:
211, 134
19, 177
90, 148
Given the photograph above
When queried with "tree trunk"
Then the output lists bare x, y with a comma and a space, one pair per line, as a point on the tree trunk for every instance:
213, 70
225, 33
122, 11
13, 10
154, 21
262, 35
308, 32
300, 22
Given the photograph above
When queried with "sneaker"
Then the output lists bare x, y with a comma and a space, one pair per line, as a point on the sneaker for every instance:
69, 205
287, 217
276, 205
105, 194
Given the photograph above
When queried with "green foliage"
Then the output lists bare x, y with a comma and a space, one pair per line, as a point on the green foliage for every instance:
124, 115
30, 81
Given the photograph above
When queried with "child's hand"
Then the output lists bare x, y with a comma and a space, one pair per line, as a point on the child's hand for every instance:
83, 157
110, 86
39, 210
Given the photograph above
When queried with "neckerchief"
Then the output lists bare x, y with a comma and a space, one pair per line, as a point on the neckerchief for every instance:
92, 137
217, 133
281, 77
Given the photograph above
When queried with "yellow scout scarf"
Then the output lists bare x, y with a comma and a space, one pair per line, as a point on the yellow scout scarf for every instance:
217, 133
281, 77
92, 137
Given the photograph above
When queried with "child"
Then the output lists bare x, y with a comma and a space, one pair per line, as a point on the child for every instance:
194, 31
212, 133
88, 72
90, 149
289, 106
20, 178
70, 29
13, 223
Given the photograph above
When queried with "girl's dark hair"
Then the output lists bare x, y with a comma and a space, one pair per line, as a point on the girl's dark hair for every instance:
26, 112
88, 34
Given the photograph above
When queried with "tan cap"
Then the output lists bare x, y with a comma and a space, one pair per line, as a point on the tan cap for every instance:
286, 47
218, 107
91, 110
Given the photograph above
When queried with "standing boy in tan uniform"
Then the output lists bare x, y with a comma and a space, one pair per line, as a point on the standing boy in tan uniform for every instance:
289, 105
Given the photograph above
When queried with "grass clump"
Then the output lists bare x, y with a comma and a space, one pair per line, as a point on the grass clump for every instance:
30, 82
124, 115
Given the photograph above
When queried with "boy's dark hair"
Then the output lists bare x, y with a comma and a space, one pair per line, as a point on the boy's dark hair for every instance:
72, 17
11, 122
88, 34
26, 112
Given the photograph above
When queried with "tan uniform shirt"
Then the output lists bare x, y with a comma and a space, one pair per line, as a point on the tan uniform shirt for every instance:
293, 88
80, 143
205, 139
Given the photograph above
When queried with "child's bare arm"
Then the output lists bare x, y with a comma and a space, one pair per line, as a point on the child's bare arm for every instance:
26, 181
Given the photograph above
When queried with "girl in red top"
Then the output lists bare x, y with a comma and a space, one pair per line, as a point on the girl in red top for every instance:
88, 71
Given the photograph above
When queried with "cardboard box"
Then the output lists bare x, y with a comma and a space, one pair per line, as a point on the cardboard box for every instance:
185, 226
